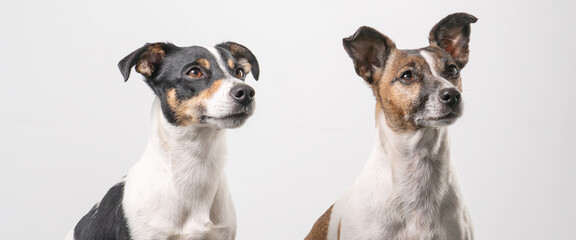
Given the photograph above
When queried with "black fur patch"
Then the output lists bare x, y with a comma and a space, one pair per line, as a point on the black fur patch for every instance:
106, 221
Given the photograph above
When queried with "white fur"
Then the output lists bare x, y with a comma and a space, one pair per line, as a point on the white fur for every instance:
432, 65
434, 108
219, 106
178, 189
220, 61
407, 190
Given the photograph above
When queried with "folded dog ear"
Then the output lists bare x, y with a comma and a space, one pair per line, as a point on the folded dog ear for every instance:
369, 49
453, 35
243, 56
146, 59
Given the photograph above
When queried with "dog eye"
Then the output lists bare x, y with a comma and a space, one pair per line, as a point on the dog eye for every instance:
407, 76
452, 71
239, 73
195, 73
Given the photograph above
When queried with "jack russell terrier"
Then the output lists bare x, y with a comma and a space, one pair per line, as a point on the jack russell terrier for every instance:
178, 189
408, 188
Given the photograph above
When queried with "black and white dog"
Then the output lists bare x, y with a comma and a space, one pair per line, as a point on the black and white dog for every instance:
178, 189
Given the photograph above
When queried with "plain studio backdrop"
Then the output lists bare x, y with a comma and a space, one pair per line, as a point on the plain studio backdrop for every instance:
70, 127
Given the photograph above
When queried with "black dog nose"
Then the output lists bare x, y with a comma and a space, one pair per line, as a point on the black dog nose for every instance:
450, 96
243, 94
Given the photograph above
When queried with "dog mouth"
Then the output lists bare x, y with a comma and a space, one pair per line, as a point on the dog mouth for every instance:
446, 117
237, 115
442, 120
232, 116
229, 120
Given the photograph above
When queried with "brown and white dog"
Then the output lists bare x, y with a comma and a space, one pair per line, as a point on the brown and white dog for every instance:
408, 188
178, 189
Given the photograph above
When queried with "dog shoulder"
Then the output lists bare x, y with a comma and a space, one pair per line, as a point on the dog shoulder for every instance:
320, 229
106, 220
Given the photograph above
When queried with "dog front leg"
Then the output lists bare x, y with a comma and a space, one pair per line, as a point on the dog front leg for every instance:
223, 213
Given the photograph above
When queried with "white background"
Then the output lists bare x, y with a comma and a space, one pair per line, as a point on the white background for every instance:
70, 127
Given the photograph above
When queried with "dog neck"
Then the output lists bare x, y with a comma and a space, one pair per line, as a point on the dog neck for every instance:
417, 161
192, 155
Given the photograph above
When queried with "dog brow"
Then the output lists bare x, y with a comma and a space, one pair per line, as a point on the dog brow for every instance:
432, 65
430, 61
220, 61
204, 63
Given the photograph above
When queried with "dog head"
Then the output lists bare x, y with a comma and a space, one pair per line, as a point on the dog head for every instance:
198, 85
415, 88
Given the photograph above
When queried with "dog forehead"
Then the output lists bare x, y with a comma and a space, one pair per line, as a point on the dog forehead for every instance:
404, 58
187, 55
425, 60
437, 62
435, 57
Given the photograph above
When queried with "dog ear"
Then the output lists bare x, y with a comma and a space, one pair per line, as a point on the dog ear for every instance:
453, 35
369, 49
147, 59
243, 56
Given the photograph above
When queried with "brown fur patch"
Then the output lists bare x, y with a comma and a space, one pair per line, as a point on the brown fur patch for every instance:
320, 229
203, 63
438, 53
339, 228
150, 59
230, 63
245, 65
180, 110
188, 111
398, 100
207, 93
236, 50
